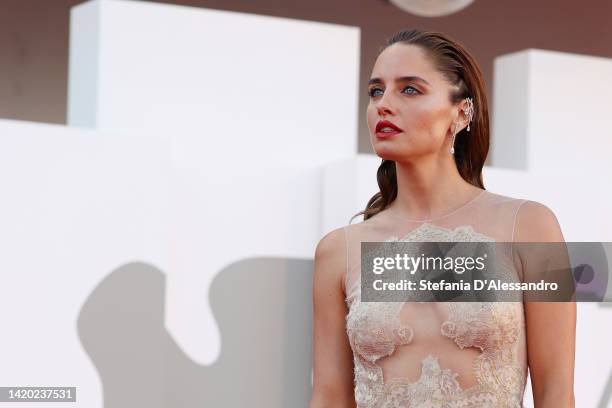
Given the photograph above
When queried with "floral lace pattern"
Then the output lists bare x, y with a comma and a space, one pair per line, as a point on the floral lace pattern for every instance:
375, 331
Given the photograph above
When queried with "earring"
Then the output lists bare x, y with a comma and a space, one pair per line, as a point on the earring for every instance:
452, 150
469, 111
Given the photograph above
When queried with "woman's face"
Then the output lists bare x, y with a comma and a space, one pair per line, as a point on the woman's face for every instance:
419, 107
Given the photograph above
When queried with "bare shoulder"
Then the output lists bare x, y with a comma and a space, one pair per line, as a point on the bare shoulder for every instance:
536, 222
331, 243
330, 256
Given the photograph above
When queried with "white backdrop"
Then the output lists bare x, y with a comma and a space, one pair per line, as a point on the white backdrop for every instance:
205, 137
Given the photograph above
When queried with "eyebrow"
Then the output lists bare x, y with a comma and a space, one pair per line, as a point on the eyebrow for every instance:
400, 79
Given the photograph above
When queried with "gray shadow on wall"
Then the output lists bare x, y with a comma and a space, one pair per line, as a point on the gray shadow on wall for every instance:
263, 307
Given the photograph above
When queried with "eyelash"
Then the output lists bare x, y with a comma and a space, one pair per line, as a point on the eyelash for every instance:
371, 91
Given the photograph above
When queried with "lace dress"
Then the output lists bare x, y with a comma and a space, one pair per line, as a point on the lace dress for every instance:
437, 354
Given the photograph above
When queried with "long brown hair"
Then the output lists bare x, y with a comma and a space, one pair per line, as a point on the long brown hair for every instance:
471, 148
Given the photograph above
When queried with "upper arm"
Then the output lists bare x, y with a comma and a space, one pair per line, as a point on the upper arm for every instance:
550, 326
332, 355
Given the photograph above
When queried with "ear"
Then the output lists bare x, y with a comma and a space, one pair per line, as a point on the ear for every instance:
462, 118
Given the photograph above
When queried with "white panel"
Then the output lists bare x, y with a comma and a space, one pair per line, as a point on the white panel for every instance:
347, 187
220, 83
553, 118
235, 93
83, 71
509, 115
75, 206
571, 114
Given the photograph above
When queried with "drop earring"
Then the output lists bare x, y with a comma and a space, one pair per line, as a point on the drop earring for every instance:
452, 150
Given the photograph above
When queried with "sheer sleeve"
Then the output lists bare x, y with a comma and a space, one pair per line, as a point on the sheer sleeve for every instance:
346, 268
514, 226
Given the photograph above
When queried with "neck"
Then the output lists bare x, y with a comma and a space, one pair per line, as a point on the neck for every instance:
430, 188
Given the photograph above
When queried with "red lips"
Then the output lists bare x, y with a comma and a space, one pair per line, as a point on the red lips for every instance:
385, 123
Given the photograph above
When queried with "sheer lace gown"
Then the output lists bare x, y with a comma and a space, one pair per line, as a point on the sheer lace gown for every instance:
437, 354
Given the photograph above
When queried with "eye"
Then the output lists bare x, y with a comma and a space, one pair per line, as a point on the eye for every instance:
372, 91
411, 87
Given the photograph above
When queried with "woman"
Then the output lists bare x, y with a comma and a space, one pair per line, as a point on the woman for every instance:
428, 121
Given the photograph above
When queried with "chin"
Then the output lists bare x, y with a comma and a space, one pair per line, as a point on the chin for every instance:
398, 155
387, 154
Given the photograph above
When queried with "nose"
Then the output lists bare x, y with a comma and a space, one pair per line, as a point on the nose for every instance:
383, 105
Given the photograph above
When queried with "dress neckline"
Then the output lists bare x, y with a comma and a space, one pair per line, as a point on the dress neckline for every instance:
471, 201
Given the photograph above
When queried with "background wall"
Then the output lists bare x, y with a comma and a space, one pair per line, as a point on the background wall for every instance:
34, 39
142, 268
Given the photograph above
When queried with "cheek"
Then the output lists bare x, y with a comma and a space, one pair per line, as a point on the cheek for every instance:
371, 116
429, 121
422, 116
